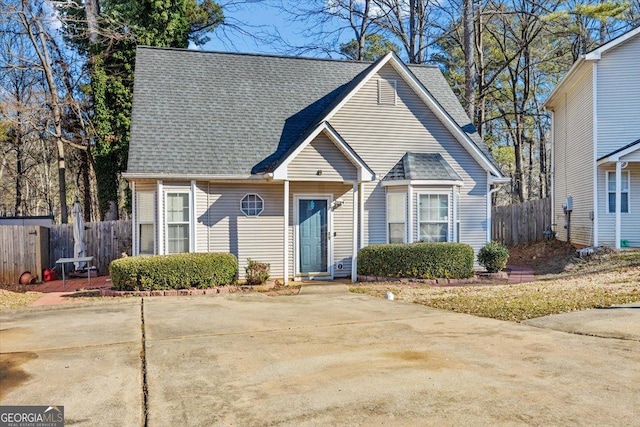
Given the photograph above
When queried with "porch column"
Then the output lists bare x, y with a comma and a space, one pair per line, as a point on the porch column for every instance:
410, 214
194, 219
354, 243
134, 219
455, 213
361, 215
160, 215
618, 202
285, 262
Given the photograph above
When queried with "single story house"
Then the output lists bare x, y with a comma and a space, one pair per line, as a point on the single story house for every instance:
300, 162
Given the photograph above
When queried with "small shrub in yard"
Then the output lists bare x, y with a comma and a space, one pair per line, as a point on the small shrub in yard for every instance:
178, 271
493, 256
419, 260
256, 273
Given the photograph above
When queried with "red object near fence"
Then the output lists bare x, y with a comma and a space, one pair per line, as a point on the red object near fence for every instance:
49, 275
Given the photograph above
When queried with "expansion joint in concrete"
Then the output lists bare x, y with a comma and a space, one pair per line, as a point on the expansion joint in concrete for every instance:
143, 367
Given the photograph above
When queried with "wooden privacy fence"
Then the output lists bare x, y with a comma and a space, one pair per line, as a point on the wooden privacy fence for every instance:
23, 248
104, 241
34, 248
523, 223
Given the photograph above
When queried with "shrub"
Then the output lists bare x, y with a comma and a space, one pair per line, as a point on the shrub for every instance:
420, 260
493, 256
256, 273
178, 271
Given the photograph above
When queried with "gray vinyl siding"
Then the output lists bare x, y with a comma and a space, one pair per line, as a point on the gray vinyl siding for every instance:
633, 157
618, 95
321, 155
224, 228
342, 222
573, 159
630, 225
202, 204
382, 134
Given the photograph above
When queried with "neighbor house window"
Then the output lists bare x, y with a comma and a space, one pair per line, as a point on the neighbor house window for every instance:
178, 222
433, 216
396, 217
252, 205
624, 192
146, 227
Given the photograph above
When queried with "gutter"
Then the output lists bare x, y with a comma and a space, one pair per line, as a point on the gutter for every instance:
198, 177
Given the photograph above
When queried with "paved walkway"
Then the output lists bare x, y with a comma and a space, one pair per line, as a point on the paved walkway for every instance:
55, 292
518, 274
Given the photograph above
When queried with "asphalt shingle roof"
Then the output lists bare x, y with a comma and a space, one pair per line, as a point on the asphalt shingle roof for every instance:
422, 166
209, 113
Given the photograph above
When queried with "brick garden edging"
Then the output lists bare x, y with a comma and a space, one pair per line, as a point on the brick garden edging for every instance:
475, 280
268, 290
169, 292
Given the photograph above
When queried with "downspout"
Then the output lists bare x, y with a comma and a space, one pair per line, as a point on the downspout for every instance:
594, 218
491, 181
553, 171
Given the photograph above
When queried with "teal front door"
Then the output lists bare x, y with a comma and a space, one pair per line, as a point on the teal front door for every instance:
314, 235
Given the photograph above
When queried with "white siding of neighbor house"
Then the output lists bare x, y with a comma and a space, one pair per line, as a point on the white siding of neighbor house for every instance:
342, 222
573, 158
381, 134
322, 155
618, 95
630, 226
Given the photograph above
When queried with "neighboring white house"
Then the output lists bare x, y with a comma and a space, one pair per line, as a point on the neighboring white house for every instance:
300, 162
596, 146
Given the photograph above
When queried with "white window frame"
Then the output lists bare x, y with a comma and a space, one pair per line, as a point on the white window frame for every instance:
449, 211
394, 83
386, 215
627, 191
140, 222
259, 198
166, 219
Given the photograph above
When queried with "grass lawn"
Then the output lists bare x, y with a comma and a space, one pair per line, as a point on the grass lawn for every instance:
11, 299
602, 280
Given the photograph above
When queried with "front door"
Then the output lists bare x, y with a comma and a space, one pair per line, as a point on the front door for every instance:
313, 235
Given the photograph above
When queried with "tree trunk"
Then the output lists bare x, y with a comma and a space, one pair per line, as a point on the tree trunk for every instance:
469, 60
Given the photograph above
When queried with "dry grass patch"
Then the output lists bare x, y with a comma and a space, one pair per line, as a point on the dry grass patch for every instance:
10, 299
600, 282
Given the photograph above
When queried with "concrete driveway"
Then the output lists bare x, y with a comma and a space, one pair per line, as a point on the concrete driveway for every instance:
324, 357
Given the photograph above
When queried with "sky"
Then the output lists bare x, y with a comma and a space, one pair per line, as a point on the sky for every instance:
261, 20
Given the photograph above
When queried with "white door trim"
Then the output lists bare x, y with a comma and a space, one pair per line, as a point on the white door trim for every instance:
296, 233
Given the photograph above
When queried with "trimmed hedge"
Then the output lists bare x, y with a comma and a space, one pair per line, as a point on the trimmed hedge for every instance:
419, 260
177, 271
